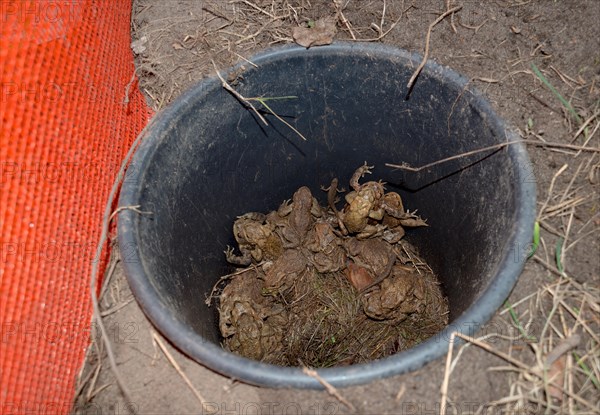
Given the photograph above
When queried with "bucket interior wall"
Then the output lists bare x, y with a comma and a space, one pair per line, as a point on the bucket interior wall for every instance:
216, 160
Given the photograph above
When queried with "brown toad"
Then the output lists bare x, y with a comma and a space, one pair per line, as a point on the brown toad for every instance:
396, 218
399, 296
284, 271
370, 211
292, 221
250, 323
375, 255
256, 240
324, 247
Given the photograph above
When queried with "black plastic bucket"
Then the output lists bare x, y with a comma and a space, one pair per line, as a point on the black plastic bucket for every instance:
206, 159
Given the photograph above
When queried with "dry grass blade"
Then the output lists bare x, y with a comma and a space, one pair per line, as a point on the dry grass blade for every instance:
239, 96
330, 389
447, 371
173, 362
534, 372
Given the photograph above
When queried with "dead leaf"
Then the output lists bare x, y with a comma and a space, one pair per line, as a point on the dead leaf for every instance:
321, 34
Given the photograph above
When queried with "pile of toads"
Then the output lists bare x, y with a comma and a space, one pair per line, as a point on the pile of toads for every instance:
311, 276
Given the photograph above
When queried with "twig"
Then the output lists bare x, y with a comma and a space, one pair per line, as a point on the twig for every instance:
255, 7
249, 61
584, 125
330, 389
448, 4
114, 260
239, 96
589, 138
447, 371
341, 16
401, 392
172, 360
408, 167
128, 87
95, 265
116, 308
523, 366
427, 38
382, 35
550, 189
262, 101
135, 208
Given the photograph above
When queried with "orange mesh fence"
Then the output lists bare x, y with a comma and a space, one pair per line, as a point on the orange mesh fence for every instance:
66, 126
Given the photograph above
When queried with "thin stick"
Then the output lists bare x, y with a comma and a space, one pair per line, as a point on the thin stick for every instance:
584, 126
345, 21
408, 167
255, 7
330, 389
236, 94
381, 36
447, 371
109, 274
550, 190
241, 57
521, 365
262, 101
427, 38
401, 392
116, 308
178, 369
135, 208
589, 138
95, 265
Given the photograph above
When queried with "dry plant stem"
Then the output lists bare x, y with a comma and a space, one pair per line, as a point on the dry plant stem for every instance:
550, 189
290, 126
330, 389
408, 167
401, 392
172, 360
522, 366
384, 34
447, 371
109, 274
135, 208
584, 126
345, 21
589, 138
236, 94
94, 275
427, 39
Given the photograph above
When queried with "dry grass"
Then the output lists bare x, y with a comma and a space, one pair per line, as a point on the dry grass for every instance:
228, 32
559, 369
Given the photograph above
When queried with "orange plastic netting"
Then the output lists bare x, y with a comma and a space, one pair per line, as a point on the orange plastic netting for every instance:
67, 122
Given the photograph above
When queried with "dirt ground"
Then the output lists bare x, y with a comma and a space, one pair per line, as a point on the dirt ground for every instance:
494, 43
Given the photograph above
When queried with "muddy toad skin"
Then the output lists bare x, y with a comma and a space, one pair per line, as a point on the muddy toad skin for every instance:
399, 296
292, 222
256, 240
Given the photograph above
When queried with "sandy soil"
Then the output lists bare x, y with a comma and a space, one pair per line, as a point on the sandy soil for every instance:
493, 43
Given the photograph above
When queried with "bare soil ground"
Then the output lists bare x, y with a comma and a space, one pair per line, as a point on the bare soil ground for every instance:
553, 319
